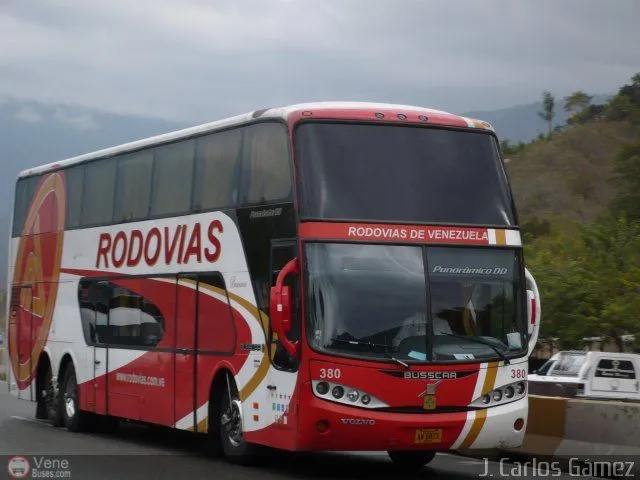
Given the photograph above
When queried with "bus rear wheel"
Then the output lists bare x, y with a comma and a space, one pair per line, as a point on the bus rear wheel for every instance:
234, 446
74, 418
411, 459
51, 400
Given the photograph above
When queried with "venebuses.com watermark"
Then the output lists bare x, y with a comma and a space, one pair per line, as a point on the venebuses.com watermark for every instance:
38, 466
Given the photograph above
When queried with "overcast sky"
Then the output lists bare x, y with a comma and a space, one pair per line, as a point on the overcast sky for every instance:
198, 60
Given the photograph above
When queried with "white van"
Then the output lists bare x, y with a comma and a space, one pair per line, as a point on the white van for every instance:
589, 374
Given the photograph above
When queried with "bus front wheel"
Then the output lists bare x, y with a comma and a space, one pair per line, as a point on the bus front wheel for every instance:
411, 459
235, 448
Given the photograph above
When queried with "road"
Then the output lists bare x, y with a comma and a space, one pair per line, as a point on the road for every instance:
136, 452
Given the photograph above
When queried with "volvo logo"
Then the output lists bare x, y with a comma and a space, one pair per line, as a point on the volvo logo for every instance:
357, 421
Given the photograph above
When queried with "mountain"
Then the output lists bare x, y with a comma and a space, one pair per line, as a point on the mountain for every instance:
567, 177
521, 122
32, 134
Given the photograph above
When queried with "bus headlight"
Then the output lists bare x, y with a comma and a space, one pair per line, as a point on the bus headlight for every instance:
335, 392
500, 396
353, 395
322, 388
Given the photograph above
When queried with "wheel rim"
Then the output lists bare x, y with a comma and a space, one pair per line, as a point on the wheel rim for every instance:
70, 400
231, 422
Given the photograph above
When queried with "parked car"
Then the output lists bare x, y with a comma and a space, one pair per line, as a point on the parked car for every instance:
589, 374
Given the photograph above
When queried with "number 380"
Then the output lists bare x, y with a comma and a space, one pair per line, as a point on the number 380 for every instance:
519, 373
330, 373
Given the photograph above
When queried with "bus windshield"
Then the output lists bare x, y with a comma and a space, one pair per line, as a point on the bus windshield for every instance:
406, 174
414, 303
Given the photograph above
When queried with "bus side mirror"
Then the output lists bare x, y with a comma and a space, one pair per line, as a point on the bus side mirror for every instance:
280, 308
533, 310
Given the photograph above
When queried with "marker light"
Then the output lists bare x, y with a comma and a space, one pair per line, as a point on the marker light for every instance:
520, 388
402, 116
322, 426
322, 388
379, 115
337, 392
518, 424
353, 395
423, 118
366, 399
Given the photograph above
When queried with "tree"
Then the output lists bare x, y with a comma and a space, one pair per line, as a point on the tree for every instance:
627, 178
589, 280
577, 101
632, 91
548, 109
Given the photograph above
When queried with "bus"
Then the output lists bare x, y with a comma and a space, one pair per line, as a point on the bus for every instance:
312, 277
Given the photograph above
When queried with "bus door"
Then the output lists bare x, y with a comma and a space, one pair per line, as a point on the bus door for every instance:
283, 378
185, 353
205, 333
94, 310
22, 321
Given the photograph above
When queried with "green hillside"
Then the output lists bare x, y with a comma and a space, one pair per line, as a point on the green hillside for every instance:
569, 177
578, 194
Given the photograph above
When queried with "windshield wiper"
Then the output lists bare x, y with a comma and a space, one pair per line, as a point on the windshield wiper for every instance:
478, 340
384, 348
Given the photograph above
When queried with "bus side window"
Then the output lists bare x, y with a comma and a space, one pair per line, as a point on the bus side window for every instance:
280, 256
93, 298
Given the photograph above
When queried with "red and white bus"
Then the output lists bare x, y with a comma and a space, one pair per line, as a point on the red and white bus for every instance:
314, 277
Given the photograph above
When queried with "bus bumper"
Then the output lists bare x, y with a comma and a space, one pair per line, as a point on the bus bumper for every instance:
325, 425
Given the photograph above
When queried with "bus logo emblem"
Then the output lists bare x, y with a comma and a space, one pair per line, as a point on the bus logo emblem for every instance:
429, 396
35, 278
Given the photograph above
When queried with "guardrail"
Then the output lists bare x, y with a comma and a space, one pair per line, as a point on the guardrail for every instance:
580, 429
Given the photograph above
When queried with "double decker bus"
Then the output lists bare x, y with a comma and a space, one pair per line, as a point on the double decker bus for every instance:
312, 277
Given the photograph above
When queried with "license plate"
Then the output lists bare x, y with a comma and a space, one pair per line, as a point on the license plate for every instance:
428, 435
429, 402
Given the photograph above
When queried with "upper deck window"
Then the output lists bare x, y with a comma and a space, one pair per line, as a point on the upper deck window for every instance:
369, 172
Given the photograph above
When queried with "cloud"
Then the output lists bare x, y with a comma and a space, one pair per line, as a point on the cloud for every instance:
79, 122
28, 114
200, 60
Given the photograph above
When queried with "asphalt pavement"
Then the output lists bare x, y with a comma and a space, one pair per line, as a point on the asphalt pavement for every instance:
138, 452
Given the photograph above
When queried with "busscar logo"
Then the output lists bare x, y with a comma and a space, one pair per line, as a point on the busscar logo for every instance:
18, 467
430, 375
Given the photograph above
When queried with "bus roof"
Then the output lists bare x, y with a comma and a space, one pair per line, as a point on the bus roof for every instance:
343, 110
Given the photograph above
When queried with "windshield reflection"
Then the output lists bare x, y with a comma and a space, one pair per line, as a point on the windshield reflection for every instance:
371, 301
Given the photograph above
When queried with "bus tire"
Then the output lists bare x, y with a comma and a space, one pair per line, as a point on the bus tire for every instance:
51, 399
234, 447
74, 419
411, 459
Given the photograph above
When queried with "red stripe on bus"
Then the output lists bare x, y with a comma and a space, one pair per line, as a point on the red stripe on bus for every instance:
394, 233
